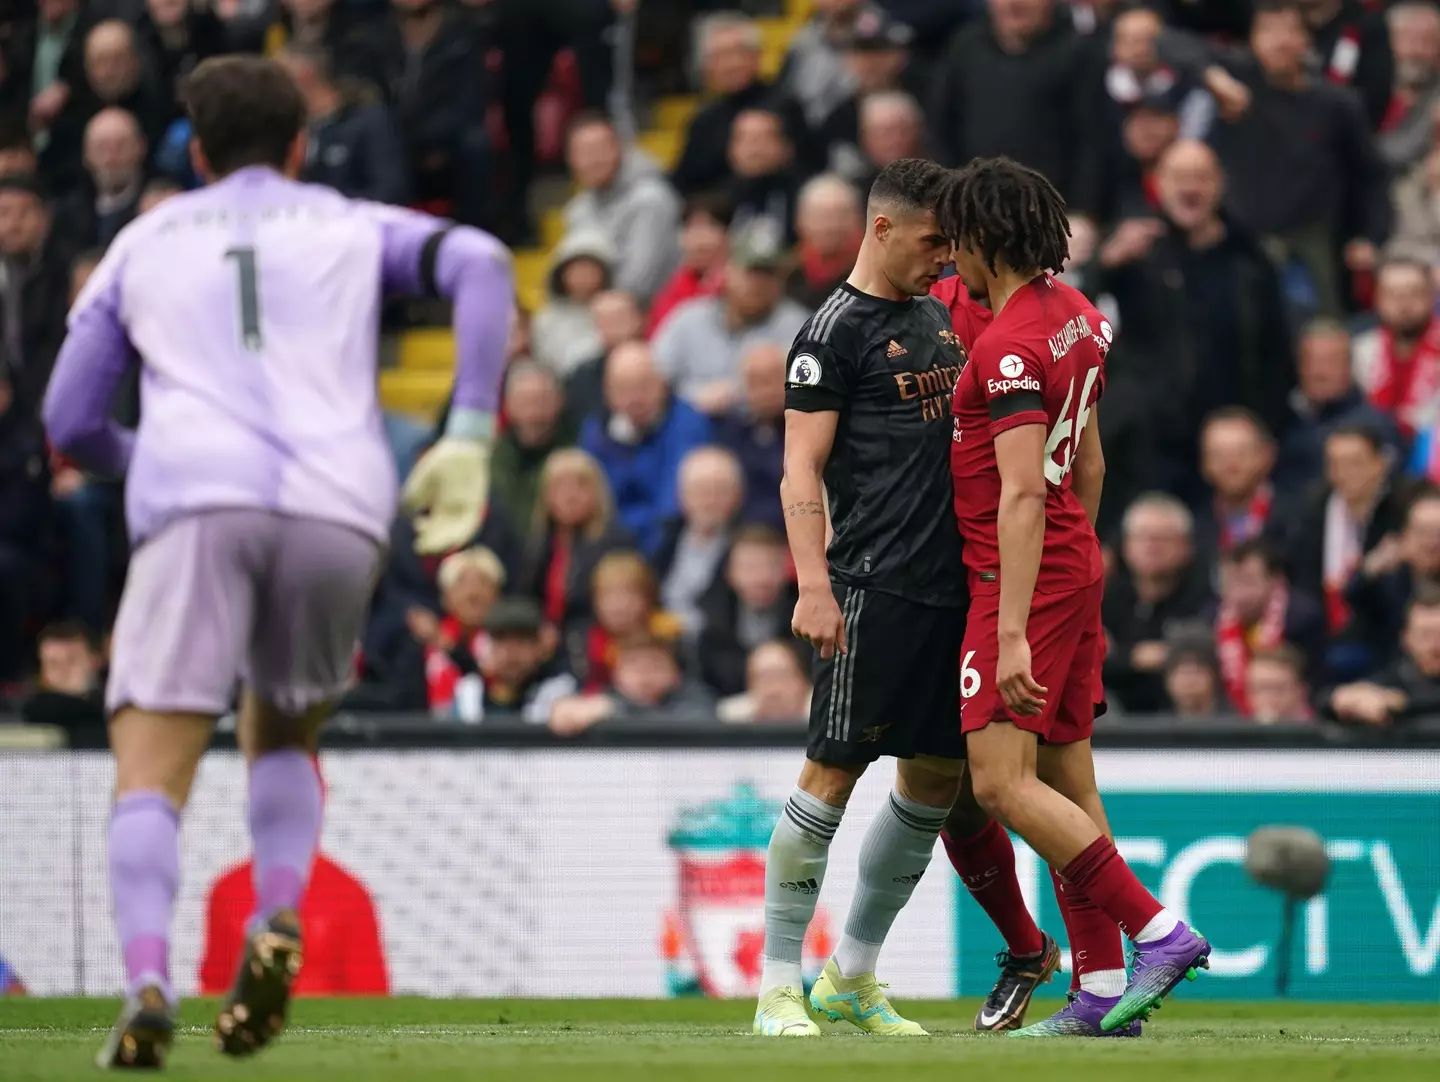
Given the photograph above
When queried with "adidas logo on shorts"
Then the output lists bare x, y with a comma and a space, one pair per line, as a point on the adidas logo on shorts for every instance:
802, 886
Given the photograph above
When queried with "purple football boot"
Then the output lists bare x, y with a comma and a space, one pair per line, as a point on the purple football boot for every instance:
1157, 968
1080, 1017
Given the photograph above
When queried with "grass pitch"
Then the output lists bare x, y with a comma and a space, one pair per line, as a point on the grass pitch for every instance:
415, 1040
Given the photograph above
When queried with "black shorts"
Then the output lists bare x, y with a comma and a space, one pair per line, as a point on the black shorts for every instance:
897, 691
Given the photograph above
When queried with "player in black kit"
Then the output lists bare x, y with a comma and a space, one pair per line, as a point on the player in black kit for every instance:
868, 421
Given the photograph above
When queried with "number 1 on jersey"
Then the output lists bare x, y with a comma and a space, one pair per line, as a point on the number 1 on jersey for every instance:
1067, 431
249, 287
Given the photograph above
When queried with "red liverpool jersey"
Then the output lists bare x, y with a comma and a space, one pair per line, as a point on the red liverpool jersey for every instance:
1041, 361
968, 316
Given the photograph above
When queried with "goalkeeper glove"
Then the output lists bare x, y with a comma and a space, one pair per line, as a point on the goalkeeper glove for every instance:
447, 492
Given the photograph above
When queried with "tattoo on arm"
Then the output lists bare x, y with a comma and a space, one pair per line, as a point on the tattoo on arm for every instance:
804, 507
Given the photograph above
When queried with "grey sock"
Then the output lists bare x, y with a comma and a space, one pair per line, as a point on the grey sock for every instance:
893, 857
794, 871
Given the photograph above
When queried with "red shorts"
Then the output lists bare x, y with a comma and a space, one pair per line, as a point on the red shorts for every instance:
1067, 652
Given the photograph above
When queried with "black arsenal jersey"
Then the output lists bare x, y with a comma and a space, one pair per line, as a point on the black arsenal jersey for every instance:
889, 369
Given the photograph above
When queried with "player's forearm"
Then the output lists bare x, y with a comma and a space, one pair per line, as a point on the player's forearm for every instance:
77, 404
473, 270
802, 494
1020, 529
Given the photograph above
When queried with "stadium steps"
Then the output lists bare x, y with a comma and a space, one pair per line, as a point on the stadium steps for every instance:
420, 382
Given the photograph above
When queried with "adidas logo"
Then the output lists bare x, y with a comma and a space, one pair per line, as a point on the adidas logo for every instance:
802, 886
896, 349
908, 880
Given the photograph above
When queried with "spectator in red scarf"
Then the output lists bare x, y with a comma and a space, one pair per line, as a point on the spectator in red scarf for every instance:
1275, 686
1393, 573
1398, 363
1237, 455
1353, 45
831, 223
574, 527
1258, 611
1351, 512
704, 251
626, 600
453, 645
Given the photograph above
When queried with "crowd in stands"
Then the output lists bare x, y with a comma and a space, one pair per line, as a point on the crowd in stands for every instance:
1255, 198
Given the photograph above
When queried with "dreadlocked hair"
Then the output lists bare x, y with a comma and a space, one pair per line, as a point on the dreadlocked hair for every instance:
1009, 212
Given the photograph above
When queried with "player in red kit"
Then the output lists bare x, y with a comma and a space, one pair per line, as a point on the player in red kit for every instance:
1027, 488
979, 849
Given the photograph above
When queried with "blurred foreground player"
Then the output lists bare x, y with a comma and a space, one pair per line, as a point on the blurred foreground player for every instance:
868, 424
1027, 489
260, 494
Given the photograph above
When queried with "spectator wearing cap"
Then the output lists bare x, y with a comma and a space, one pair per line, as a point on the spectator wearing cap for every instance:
563, 335
1407, 132
754, 431
425, 59
729, 45
353, 145
699, 348
777, 687
1156, 586
520, 674
751, 604
640, 440
26, 527
1325, 399
34, 294
765, 180
814, 73
1198, 300
704, 250
115, 178
1397, 570
1301, 163
1406, 688
1192, 679
649, 687
536, 427
830, 222
1009, 86
877, 57
622, 195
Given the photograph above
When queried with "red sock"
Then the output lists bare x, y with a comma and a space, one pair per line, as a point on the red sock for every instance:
985, 863
1095, 942
1103, 876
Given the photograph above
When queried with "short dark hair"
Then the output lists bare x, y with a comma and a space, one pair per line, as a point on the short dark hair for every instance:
1426, 493
1240, 413
1010, 212
1426, 596
244, 110
67, 631
23, 182
1276, 7
910, 184
713, 205
1252, 549
1360, 430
